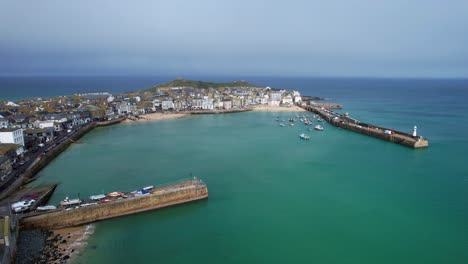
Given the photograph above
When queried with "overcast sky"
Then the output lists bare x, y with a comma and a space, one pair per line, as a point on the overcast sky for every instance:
391, 38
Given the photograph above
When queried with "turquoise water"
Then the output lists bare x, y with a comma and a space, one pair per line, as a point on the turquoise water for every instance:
339, 198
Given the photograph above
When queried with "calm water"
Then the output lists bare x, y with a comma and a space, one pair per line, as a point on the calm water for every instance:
15, 88
339, 198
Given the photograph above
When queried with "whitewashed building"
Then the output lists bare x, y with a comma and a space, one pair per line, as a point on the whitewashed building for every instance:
197, 103
274, 99
167, 105
207, 103
227, 104
44, 124
13, 136
287, 100
218, 104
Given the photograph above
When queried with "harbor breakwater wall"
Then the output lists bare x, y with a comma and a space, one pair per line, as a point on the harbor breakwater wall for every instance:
29, 174
170, 195
398, 137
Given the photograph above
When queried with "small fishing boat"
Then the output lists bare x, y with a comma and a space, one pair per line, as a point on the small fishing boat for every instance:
97, 197
67, 201
115, 194
318, 128
46, 208
282, 124
88, 204
304, 136
148, 188
291, 124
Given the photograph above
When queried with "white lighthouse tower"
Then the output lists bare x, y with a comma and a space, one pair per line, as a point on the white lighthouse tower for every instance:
415, 131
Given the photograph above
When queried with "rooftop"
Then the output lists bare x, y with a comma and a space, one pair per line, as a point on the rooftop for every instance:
5, 147
8, 129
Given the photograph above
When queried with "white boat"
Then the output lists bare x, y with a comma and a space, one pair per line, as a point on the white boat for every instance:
282, 125
148, 188
68, 201
97, 197
115, 194
291, 124
318, 127
46, 207
304, 136
88, 204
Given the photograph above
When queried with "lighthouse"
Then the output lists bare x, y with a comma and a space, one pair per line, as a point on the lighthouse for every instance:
415, 129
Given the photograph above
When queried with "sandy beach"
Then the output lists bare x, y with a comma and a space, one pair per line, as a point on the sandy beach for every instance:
156, 117
167, 116
266, 108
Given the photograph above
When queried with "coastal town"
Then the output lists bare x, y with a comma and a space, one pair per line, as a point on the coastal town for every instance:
30, 128
34, 131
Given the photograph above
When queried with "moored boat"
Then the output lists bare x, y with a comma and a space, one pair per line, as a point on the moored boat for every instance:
46, 208
318, 127
115, 194
97, 197
68, 202
304, 136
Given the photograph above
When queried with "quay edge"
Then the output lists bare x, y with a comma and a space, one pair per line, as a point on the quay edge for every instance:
184, 192
348, 123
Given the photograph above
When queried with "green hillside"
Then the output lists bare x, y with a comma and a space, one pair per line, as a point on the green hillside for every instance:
201, 84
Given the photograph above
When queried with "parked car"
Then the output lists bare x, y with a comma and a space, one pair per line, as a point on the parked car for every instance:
22, 205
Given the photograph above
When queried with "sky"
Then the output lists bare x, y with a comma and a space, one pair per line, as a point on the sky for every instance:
352, 38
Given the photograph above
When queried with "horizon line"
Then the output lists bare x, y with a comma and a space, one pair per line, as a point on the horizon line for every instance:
191, 76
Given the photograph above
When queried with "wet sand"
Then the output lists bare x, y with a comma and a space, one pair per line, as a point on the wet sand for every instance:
156, 117
68, 242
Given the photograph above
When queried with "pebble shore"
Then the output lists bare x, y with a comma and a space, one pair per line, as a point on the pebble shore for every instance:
55, 247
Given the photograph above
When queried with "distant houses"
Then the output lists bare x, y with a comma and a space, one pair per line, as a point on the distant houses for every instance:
26, 123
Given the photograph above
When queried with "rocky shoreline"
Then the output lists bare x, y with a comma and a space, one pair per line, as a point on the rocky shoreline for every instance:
31, 246
57, 246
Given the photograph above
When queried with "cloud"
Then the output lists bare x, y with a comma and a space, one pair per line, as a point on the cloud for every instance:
350, 38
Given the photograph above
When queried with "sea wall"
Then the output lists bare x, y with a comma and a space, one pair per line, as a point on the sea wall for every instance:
83, 215
398, 137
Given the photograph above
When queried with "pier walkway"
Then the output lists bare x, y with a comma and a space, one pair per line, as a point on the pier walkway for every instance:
162, 196
346, 122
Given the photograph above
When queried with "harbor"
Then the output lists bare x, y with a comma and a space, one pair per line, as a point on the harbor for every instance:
74, 212
346, 122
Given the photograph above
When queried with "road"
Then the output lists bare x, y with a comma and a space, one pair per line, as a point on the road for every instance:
30, 157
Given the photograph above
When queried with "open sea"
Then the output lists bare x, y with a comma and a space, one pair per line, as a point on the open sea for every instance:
340, 198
